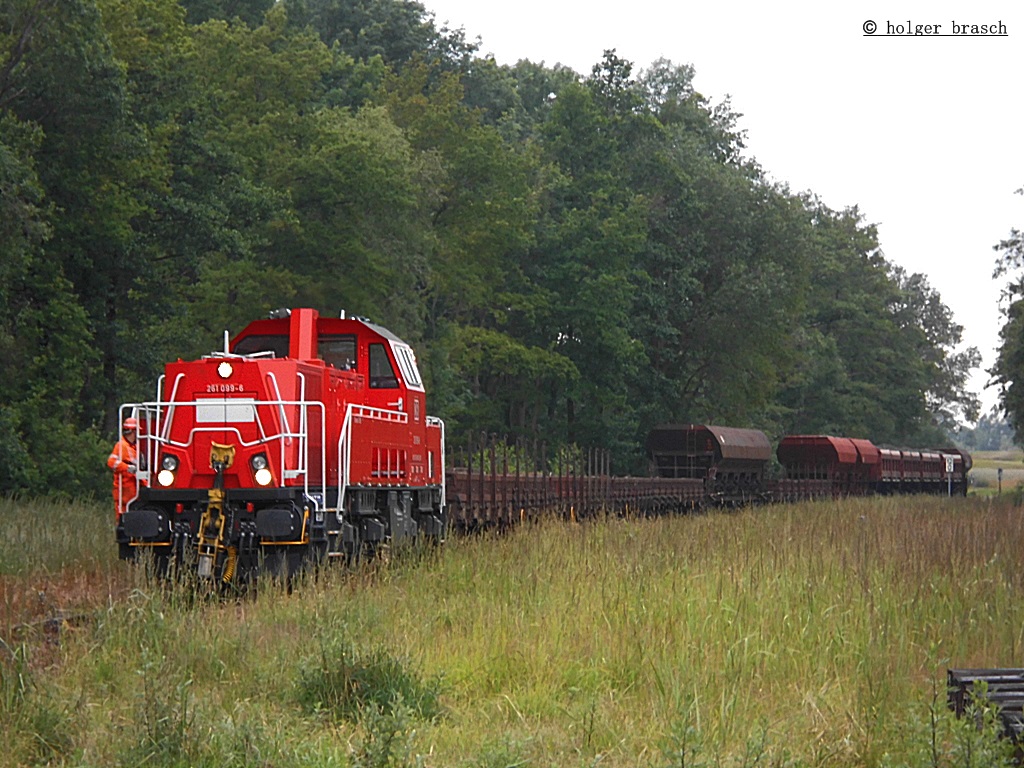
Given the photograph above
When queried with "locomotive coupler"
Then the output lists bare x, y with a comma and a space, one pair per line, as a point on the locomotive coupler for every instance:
212, 524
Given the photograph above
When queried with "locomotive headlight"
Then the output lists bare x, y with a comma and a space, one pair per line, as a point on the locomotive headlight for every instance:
168, 466
224, 370
261, 469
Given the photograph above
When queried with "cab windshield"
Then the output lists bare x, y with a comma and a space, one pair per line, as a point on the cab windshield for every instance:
275, 345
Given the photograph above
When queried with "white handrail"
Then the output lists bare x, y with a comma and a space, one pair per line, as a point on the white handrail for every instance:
434, 421
345, 440
284, 435
401, 417
170, 408
303, 437
277, 391
159, 392
344, 456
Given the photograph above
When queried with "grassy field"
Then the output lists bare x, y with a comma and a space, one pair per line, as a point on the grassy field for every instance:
805, 635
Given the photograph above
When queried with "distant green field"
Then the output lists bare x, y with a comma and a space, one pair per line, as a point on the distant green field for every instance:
985, 474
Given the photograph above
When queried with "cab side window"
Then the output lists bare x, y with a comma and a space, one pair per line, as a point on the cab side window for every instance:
382, 375
407, 364
339, 351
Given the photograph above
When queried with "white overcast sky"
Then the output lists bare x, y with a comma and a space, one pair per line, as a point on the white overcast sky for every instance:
923, 134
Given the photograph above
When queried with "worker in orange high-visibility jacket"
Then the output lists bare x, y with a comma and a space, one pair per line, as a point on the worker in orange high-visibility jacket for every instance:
123, 460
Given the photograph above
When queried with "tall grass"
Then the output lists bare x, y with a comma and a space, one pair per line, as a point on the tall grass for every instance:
813, 635
817, 625
49, 535
55, 556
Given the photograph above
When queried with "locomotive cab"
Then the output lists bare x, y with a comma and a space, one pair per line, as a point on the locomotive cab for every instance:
306, 437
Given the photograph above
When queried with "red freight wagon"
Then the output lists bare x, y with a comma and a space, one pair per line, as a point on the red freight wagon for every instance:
892, 470
869, 463
823, 457
932, 470
730, 461
956, 464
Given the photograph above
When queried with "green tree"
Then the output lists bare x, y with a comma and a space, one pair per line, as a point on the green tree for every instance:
725, 284
502, 385
517, 98
249, 11
590, 233
723, 268
481, 217
1008, 371
63, 84
872, 345
991, 433
948, 399
483, 204
23, 230
397, 31
352, 230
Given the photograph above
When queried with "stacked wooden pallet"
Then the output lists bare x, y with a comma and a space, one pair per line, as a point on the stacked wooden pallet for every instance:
1002, 688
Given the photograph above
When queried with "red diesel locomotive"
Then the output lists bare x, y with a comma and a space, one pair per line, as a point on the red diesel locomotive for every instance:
306, 438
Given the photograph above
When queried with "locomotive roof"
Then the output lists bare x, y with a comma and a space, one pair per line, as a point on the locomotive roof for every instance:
281, 326
730, 442
326, 325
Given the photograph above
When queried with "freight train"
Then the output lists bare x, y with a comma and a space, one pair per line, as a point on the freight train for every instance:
307, 438
734, 463
693, 467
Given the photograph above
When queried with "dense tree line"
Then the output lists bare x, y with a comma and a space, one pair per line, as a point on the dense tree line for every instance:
575, 256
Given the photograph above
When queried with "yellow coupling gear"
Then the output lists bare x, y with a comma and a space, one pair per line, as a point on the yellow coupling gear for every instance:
211, 533
211, 527
223, 455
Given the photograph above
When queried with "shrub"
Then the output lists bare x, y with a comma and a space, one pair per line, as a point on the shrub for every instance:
344, 682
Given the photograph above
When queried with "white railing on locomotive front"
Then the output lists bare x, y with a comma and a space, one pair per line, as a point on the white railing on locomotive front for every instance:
301, 435
272, 379
345, 443
157, 437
